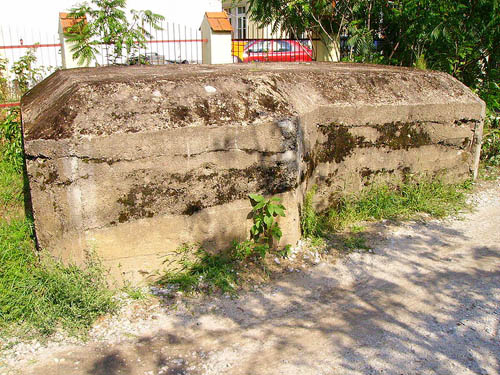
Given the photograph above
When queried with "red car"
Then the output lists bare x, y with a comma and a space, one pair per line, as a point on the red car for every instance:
273, 50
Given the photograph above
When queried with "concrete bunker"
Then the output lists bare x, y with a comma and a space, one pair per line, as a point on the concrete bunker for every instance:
134, 161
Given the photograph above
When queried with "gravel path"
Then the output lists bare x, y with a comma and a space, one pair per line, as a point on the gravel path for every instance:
426, 301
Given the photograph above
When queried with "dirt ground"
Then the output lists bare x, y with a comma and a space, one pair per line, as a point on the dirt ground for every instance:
425, 301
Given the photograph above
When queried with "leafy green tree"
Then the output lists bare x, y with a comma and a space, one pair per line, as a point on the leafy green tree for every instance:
4, 89
313, 18
460, 37
105, 22
27, 74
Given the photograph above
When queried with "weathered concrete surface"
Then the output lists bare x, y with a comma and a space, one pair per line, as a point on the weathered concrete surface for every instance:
135, 161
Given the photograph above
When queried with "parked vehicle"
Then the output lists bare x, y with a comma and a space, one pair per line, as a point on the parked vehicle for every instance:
271, 50
152, 58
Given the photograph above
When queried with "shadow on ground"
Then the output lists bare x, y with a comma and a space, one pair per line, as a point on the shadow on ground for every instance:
427, 301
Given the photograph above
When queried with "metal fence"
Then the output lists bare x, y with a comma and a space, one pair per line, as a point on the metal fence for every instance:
261, 44
172, 44
14, 43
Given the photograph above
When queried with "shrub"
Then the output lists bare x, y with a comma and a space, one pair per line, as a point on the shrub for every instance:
11, 138
491, 141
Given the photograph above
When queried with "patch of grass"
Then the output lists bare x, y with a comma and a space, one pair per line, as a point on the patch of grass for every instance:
135, 293
200, 271
37, 294
355, 242
194, 269
311, 223
488, 172
11, 188
400, 201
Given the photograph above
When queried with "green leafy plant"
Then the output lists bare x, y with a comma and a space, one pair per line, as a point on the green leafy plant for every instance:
491, 141
10, 136
27, 74
105, 22
4, 82
310, 221
265, 229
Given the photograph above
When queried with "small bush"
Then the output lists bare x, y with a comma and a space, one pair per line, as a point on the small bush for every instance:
11, 139
491, 141
265, 229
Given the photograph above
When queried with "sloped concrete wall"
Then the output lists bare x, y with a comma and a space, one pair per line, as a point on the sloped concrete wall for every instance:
134, 161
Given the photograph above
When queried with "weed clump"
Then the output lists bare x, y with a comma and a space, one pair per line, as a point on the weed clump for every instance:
490, 153
197, 270
398, 201
38, 296
310, 220
200, 271
393, 201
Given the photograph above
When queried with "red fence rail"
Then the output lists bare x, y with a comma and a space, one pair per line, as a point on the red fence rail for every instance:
173, 43
8, 105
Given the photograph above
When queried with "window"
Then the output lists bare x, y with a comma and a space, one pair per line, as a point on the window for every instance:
282, 46
238, 19
241, 28
260, 47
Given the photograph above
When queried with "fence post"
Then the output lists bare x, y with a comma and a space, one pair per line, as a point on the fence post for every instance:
68, 61
216, 34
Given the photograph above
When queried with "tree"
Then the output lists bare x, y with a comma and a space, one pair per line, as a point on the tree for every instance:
298, 17
460, 37
105, 22
27, 73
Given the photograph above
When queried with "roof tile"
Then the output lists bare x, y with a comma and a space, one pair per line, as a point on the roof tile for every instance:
67, 21
218, 21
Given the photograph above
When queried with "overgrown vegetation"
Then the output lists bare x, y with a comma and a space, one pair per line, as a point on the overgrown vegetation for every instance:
392, 201
491, 141
37, 294
194, 269
397, 201
11, 139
